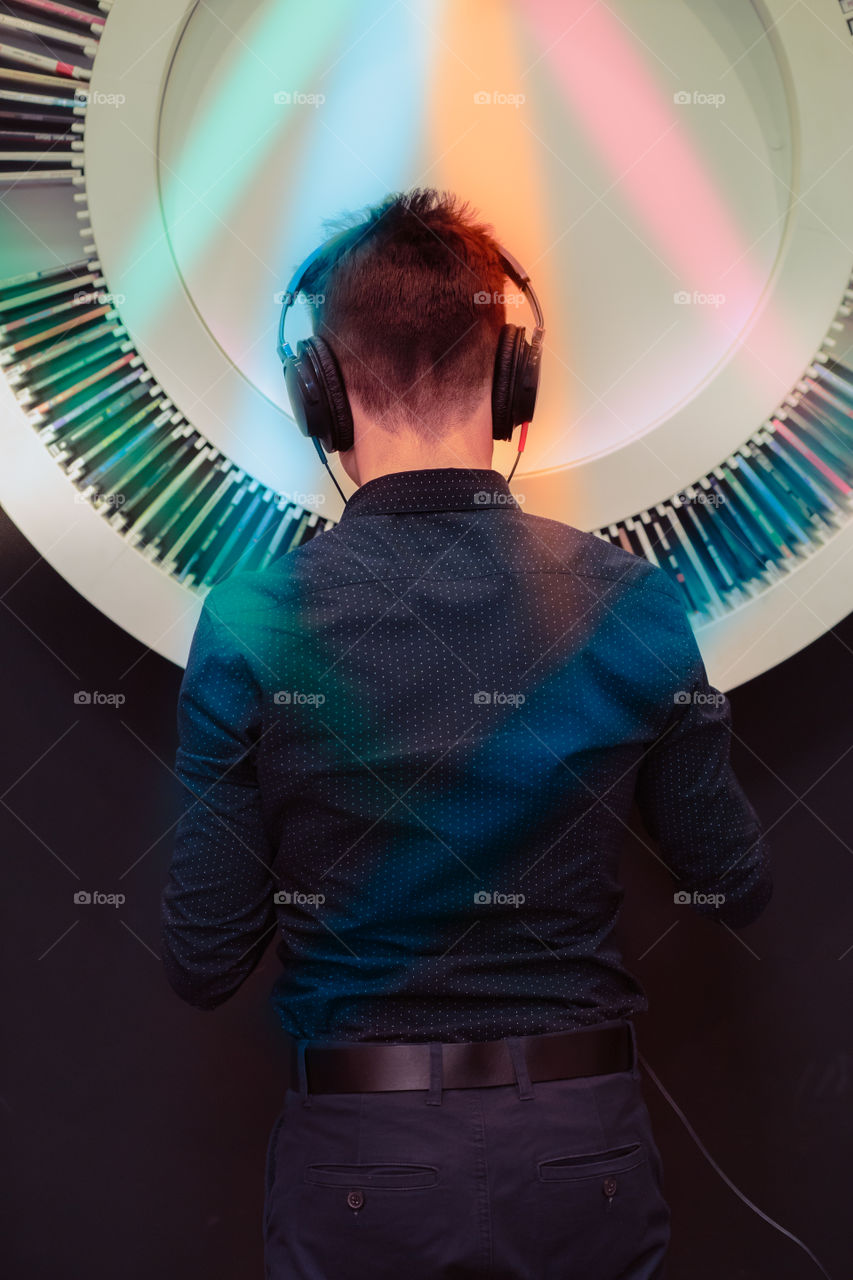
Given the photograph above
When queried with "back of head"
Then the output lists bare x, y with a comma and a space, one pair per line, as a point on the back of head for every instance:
412, 307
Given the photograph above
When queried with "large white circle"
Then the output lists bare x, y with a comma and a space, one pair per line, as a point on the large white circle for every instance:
205, 339
654, 168
809, 46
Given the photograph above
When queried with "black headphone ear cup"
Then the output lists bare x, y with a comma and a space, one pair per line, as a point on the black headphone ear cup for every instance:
332, 380
318, 399
506, 362
526, 385
302, 390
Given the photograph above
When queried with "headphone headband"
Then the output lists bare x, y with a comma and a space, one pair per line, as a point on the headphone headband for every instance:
315, 383
511, 265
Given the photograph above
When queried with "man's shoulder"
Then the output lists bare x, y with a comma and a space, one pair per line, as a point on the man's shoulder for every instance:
588, 554
250, 593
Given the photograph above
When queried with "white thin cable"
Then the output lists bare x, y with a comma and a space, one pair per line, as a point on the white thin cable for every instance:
727, 1180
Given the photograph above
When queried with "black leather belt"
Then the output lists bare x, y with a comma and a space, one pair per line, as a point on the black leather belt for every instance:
380, 1068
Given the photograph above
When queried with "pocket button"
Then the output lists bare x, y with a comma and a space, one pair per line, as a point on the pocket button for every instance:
609, 1187
355, 1199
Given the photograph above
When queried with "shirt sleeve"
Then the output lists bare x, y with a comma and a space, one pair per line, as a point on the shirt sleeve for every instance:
692, 803
218, 912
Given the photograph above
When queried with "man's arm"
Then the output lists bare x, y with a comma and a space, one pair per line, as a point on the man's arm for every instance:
218, 911
691, 802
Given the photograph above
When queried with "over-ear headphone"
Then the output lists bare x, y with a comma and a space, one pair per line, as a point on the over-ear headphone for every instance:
315, 384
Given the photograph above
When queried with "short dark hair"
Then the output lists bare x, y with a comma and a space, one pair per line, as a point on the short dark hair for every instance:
412, 306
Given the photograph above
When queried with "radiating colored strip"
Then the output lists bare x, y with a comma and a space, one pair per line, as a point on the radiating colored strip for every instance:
74, 158
796, 498
717, 535
762, 520
38, 175
74, 323
830, 439
40, 30
81, 296
149, 520
74, 127
714, 564
62, 396
32, 277
215, 514
801, 475
826, 471
280, 535
100, 474
182, 553
27, 297
703, 586
47, 64
764, 541
64, 11
79, 410
39, 99
17, 371
35, 77
14, 135
771, 503
87, 358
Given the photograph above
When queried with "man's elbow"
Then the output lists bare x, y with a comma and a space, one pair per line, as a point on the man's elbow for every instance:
737, 910
740, 912
196, 983
192, 992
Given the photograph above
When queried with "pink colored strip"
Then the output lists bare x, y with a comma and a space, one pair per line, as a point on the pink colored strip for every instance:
64, 11
824, 470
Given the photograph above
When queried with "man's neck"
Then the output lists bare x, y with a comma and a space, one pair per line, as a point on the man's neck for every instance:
402, 461
466, 444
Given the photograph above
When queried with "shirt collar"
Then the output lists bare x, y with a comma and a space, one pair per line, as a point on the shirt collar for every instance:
438, 489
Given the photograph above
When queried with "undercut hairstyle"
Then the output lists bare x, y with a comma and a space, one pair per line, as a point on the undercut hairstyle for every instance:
410, 298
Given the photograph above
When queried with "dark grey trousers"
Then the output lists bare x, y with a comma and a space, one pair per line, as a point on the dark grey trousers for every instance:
551, 1181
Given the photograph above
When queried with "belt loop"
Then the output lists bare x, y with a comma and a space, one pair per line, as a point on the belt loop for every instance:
519, 1062
302, 1073
433, 1098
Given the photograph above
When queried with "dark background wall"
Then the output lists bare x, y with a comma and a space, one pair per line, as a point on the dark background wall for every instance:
137, 1126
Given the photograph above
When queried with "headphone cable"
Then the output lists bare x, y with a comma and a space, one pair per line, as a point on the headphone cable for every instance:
522, 441
321, 451
712, 1162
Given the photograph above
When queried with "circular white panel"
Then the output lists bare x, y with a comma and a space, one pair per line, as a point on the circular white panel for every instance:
659, 179
643, 394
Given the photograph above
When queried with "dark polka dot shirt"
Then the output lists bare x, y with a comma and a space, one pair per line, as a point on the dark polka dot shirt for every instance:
408, 753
